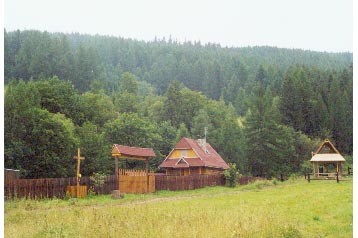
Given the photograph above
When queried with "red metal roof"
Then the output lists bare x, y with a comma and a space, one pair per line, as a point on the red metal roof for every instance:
134, 151
208, 158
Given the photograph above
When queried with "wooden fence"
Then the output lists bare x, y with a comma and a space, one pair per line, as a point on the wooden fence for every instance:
136, 181
174, 183
56, 187
51, 187
37, 188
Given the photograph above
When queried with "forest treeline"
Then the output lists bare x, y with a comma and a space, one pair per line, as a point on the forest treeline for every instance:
266, 108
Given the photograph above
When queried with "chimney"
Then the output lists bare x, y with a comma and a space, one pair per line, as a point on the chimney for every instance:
202, 142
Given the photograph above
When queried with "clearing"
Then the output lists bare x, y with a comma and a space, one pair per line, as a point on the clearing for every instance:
294, 208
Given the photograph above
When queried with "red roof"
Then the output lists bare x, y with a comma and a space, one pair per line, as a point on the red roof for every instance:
134, 151
208, 158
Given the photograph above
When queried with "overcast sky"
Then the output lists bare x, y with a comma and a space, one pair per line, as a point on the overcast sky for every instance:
323, 25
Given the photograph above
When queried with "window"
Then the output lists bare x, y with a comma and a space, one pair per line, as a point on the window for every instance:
183, 153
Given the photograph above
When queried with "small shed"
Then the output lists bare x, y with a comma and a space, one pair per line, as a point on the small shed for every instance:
327, 161
11, 174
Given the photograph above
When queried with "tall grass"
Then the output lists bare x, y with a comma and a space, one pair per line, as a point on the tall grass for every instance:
260, 209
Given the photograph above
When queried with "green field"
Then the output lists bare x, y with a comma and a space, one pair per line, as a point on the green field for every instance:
290, 209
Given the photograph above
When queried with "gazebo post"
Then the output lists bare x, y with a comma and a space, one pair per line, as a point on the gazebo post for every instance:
117, 174
146, 171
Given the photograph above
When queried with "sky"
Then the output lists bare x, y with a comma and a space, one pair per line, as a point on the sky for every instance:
321, 25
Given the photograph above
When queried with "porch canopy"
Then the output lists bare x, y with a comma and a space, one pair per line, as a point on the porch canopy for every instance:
135, 153
327, 154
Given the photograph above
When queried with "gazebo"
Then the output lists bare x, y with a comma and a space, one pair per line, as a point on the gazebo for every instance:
327, 161
127, 152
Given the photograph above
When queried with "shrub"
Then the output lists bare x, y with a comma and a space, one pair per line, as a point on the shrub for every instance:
293, 177
67, 196
231, 175
97, 181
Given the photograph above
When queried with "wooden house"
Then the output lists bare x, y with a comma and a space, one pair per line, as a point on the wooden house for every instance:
327, 160
191, 157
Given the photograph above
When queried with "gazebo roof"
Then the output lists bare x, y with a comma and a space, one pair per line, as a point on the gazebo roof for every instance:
127, 151
324, 155
327, 144
327, 158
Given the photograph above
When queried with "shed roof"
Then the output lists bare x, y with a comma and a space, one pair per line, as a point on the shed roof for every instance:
132, 151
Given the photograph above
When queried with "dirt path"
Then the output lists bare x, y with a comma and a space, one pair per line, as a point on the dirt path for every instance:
174, 198
134, 202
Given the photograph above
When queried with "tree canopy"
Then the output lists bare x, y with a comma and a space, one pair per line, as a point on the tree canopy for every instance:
265, 108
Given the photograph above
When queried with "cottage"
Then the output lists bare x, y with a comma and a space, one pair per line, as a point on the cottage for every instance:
327, 161
191, 157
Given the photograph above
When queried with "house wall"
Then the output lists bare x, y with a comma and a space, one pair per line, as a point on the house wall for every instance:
171, 171
206, 170
193, 170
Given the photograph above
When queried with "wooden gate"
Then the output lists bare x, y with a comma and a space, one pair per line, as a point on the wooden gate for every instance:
136, 181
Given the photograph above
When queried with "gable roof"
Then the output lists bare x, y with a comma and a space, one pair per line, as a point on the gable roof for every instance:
327, 143
333, 154
132, 151
208, 158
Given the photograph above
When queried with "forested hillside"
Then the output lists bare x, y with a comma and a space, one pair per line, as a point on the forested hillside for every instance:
266, 108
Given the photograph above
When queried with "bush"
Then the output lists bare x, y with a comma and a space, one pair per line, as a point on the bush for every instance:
97, 181
293, 177
231, 175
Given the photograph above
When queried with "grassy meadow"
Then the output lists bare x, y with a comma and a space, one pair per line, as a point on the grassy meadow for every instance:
294, 208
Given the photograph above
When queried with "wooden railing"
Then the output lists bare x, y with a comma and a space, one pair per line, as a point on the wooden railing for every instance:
323, 176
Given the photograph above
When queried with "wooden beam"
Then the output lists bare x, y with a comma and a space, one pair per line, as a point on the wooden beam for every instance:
146, 171
78, 175
116, 171
120, 156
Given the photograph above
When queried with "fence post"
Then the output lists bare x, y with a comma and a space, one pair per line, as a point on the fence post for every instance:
337, 177
309, 179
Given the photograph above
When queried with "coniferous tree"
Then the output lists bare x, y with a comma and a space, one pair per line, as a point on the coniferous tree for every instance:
173, 104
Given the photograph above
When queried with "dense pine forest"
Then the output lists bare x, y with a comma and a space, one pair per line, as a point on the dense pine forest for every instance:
266, 108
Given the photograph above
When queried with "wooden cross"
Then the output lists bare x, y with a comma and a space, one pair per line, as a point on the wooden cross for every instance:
78, 158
